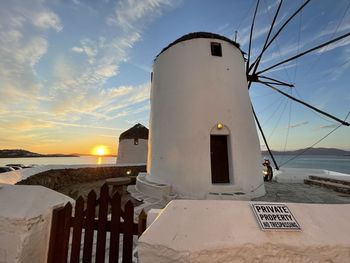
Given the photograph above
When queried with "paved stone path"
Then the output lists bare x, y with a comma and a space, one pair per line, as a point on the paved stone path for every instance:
301, 193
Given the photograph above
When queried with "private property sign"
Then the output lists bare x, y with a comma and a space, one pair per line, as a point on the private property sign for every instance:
275, 217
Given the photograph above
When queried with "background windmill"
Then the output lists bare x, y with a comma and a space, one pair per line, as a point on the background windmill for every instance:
260, 75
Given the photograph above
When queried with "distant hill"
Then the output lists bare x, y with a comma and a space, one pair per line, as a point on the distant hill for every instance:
16, 153
312, 151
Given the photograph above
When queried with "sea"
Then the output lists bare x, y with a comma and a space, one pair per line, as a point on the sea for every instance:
339, 164
59, 160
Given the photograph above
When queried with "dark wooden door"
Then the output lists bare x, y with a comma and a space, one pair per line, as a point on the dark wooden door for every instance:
219, 159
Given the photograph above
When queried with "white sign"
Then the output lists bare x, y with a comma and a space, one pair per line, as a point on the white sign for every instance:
275, 217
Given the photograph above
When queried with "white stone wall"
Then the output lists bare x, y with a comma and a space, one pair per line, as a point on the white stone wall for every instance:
227, 231
191, 92
297, 175
25, 220
129, 153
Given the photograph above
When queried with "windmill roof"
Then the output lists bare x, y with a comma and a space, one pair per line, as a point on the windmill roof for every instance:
136, 132
200, 35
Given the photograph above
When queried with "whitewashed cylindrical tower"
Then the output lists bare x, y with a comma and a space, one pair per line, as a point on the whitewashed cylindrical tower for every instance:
133, 145
203, 139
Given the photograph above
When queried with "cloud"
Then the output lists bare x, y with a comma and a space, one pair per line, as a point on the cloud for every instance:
341, 43
296, 125
25, 125
77, 49
84, 92
107, 71
81, 125
330, 30
47, 19
330, 126
17, 13
77, 92
129, 14
22, 44
259, 31
17, 74
139, 94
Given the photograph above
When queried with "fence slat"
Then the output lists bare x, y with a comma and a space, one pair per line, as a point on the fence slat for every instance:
102, 221
77, 229
66, 231
89, 227
62, 221
56, 235
115, 229
128, 232
142, 222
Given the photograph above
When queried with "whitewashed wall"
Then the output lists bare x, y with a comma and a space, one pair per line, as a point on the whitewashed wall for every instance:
191, 92
25, 220
130, 153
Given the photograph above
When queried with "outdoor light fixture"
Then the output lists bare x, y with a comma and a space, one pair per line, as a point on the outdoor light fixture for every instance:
219, 126
128, 172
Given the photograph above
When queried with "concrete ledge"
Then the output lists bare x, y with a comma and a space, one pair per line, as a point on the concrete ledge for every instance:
338, 187
332, 180
227, 231
298, 175
25, 219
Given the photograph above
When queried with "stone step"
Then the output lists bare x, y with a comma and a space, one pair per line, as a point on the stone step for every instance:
338, 181
341, 188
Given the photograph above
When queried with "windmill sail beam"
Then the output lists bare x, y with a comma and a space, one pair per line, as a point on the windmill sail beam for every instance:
251, 34
255, 78
264, 138
308, 105
305, 52
276, 80
267, 37
276, 83
273, 23
280, 30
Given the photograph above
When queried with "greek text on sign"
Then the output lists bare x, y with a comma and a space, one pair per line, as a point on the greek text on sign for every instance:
275, 217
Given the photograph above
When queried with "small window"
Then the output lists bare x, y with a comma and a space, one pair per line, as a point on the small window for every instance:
216, 49
136, 141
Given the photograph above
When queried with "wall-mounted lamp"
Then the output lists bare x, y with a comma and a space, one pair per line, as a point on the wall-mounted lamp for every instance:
219, 126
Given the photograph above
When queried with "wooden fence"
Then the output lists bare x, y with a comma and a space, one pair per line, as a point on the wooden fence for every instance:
80, 228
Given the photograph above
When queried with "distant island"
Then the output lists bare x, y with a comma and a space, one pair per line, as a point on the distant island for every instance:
312, 151
19, 153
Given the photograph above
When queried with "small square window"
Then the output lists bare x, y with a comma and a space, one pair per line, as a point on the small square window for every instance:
216, 49
136, 141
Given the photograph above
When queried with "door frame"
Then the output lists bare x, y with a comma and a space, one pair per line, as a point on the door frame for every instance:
223, 130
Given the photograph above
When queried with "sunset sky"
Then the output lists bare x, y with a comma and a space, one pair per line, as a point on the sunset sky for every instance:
74, 74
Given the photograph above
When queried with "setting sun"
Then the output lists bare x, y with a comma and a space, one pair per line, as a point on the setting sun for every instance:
100, 150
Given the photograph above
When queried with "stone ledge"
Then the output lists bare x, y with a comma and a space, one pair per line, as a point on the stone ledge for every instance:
338, 187
151, 189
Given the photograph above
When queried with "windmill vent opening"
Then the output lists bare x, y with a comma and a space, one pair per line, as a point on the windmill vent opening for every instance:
216, 49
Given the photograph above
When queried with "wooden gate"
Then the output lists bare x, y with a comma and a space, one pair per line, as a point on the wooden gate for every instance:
70, 234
